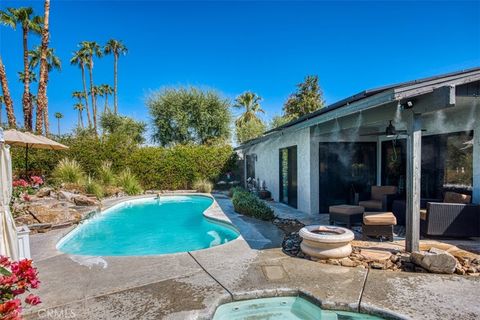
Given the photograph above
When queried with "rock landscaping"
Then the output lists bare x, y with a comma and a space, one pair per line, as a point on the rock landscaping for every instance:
49, 208
385, 256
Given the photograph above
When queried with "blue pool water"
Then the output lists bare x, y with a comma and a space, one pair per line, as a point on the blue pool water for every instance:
283, 308
148, 227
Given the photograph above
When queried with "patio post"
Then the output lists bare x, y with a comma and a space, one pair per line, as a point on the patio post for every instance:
476, 158
414, 163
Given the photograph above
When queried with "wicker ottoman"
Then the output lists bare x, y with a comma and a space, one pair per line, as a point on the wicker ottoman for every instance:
378, 224
346, 214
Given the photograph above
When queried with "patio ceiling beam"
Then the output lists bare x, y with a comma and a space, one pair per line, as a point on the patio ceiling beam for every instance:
427, 87
440, 98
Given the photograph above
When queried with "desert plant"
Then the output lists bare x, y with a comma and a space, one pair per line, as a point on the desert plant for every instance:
129, 183
93, 187
248, 204
68, 171
203, 185
105, 174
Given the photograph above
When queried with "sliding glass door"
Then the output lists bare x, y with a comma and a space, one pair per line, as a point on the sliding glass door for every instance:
345, 168
288, 176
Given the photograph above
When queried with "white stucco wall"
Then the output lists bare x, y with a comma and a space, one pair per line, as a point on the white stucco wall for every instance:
267, 164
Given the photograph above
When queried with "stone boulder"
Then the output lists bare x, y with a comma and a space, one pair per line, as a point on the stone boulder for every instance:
435, 260
81, 200
65, 195
43, 213
44, 192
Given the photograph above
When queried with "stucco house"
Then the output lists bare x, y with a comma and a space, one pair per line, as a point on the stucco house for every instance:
420, 136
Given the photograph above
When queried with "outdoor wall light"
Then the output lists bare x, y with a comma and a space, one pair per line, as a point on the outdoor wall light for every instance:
407, 105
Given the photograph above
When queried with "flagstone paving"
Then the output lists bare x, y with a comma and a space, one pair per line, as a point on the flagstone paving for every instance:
191, 285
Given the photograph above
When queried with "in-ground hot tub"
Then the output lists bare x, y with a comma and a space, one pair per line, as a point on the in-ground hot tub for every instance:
282, 308
326, 242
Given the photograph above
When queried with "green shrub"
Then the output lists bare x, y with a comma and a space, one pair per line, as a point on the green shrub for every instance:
106, 175
203, 185
93, 187
129, 183
68, 171
171, 168
180, 166
232, 191
248, 204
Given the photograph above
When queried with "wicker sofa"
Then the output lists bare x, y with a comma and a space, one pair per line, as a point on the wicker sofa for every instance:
454, 216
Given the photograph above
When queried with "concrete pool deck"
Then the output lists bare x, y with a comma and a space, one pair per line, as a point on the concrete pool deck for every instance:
191, 285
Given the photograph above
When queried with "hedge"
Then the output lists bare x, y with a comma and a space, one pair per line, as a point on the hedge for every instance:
170, 168
248, 204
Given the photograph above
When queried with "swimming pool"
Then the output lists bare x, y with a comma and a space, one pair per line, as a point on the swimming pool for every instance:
283, 308
148, 226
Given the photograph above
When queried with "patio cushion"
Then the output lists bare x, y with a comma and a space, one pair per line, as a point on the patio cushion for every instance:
371, 204
379, 191
454, 197
346, 209
379, 219
423, 214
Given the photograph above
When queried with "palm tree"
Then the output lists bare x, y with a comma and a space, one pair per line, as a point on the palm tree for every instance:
53, 62
32, 77
2, 101
91, 49
80, 58
117, 48
251, 103
97, 92
7, 99
24, 17
45, 67
79, 107
106, 90
58, 116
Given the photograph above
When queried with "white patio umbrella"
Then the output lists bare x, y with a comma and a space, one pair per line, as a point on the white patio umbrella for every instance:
8, 233
31, 141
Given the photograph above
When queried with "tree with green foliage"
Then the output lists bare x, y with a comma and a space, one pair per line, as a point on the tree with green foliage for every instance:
308, 98
92, 49
79, 107
30, 23
80, 58
249, 130
250, 103
58, 116
52, 62
278, 121
189, 115
117, 48
115, 124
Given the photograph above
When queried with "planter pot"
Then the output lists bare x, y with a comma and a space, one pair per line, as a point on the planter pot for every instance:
264, 194
326, 242
23, 234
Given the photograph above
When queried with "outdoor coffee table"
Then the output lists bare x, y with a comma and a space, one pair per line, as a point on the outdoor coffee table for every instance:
347, 214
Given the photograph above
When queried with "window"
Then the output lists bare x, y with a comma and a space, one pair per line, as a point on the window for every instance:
288, 176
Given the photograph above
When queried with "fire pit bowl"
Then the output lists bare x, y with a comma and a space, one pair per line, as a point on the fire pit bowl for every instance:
326, 242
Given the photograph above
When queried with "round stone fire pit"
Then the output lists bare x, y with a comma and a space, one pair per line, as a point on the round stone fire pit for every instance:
326, 242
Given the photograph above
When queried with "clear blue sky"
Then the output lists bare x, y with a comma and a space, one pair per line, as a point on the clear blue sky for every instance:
266, 47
